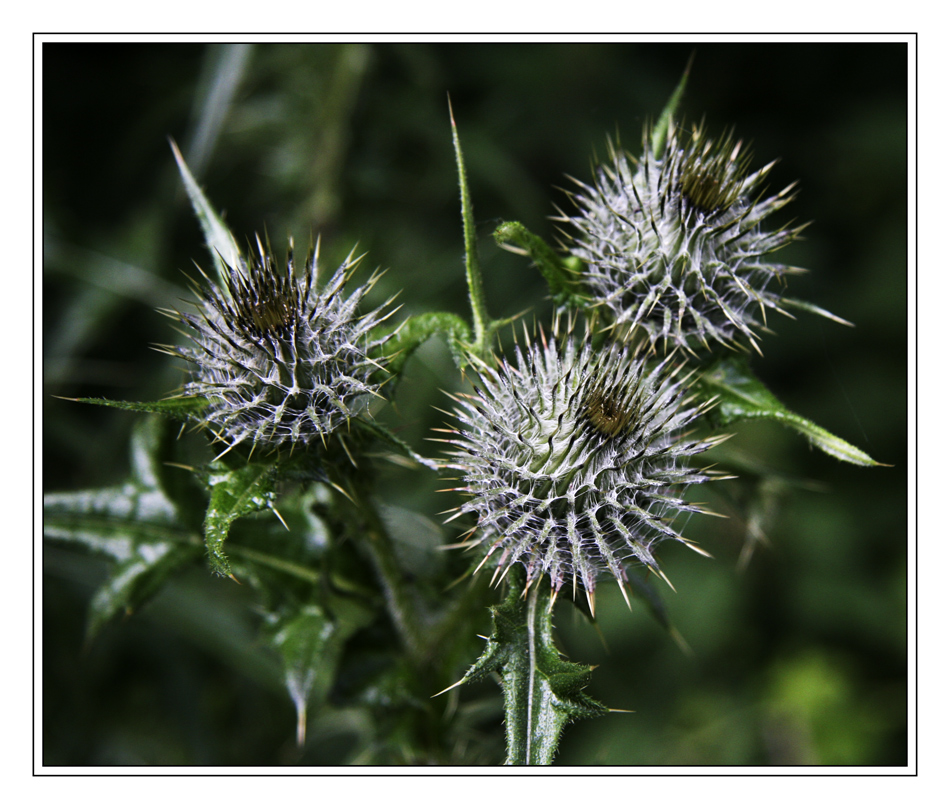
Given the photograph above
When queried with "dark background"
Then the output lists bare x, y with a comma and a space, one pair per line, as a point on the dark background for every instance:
800, 658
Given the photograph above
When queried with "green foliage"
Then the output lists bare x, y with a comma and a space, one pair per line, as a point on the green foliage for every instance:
174, 407
740, 396
419, 328
666, 121
234, 493
136, 526
473, 270
310, 641
218, 239
346, 613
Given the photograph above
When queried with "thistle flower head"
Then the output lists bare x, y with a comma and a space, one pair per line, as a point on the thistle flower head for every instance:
574, 460
674, 243
280, 358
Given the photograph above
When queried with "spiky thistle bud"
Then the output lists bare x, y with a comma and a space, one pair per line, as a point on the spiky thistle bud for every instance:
574, 460
281, 359
674, 243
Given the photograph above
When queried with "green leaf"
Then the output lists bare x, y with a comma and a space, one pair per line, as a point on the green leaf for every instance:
181, 407
135, 525
282, 559
665, 122
234, 493
132, 582
562, 282
542, 690
112, 521
310, 642
221, 244
740, 395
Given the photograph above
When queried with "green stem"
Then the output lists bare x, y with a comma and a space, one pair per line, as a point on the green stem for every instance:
532, 610
531, 735
562, 283
419, 328
473, 273
542, 690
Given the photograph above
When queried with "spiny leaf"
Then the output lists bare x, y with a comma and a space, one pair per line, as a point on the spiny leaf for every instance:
234, 493
473, 273
181, 407
310, 641
132, 582
112, 521
135, 525
742, 396
221, 243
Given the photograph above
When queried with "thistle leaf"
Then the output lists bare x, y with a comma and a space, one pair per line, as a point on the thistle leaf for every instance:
310, 641
136, 526
473, 272
234, 493
132, 582
742, 396
181, 407
221, 243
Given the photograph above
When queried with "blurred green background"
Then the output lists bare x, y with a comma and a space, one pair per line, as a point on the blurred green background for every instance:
798, 658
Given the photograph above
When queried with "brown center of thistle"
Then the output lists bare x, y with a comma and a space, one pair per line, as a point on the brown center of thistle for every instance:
265, 302
713, 173
607, 412
705, 190
270, 315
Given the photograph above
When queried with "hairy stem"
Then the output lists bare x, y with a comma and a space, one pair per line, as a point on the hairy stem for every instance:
473, 272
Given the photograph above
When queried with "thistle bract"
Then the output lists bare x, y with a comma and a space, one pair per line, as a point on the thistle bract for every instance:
280, 358
674, 243
574, 461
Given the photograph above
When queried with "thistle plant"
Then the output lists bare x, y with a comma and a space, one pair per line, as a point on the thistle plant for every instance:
575, 453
